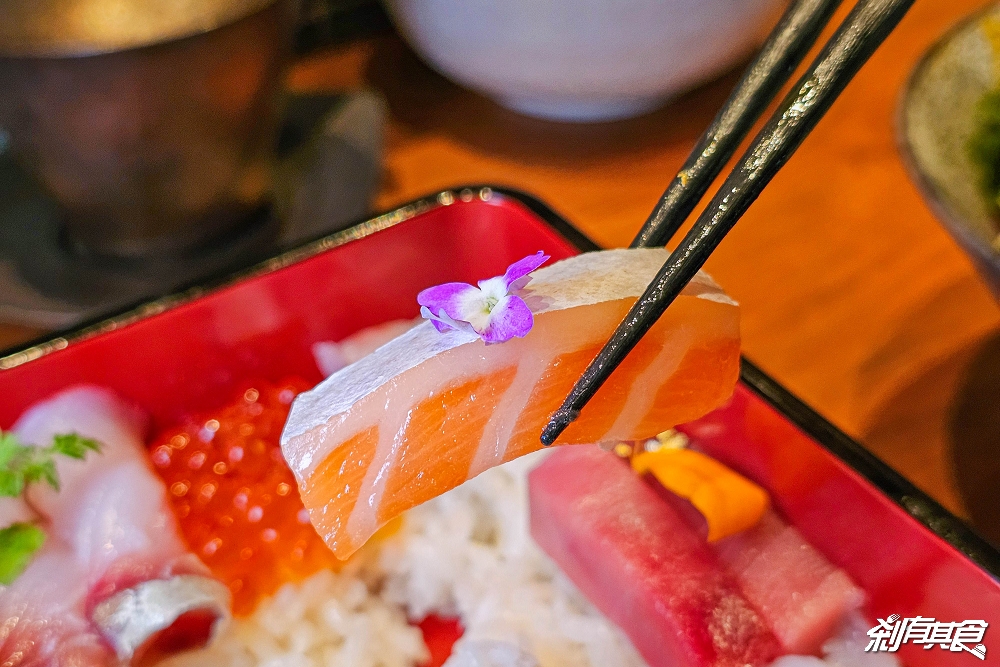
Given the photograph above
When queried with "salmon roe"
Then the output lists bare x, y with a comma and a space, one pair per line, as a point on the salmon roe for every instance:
236, 501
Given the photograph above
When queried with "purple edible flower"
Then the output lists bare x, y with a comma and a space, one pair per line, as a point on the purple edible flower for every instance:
493, 310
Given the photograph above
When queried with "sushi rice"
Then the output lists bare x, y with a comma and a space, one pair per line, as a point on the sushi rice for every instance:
465, 554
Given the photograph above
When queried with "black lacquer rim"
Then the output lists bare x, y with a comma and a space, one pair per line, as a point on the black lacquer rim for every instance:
914, 502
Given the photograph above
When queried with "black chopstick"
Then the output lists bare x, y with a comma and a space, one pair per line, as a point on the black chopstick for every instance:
865, 28
784, 49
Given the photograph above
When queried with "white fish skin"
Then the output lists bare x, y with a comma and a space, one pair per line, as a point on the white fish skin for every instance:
111, 513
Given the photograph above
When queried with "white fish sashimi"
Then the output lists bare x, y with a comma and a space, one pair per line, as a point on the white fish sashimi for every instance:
44, 617
111, 505
14, 510
91, 413
42, 613
136, 576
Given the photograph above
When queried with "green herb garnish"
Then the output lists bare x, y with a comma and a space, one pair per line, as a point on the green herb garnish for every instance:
20, 466
18, 544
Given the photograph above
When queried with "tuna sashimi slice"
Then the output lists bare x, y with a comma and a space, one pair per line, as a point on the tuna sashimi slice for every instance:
640, 563
427, 411
802, 596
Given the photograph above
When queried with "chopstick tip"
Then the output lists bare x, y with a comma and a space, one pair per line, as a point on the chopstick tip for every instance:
562, 418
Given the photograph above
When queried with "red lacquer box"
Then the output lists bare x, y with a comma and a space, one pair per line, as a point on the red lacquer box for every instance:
189, 351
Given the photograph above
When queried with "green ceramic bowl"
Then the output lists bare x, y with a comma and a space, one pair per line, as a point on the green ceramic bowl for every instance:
937, 117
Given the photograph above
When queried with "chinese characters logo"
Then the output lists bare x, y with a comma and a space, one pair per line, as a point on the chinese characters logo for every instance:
893, 631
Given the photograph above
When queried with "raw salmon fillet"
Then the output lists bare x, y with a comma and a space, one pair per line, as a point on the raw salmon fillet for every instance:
427, 411
639, 562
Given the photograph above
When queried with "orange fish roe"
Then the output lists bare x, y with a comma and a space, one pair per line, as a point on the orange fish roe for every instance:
236, 500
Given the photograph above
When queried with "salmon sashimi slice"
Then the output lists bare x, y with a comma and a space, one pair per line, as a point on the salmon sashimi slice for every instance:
429, 410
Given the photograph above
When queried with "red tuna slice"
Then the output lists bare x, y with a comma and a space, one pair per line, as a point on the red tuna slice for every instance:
802, 596
638, 561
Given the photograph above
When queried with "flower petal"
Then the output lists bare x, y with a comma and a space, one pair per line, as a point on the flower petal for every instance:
442, 322
510, 317
492, 311
438, 322
449, 297
517, 272
493, 288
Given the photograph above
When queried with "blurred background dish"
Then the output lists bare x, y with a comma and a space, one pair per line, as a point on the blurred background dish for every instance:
53, 28
592, 61
161, 141
950, 136
151, 144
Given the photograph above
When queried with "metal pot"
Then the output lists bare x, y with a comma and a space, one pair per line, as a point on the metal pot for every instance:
151, 122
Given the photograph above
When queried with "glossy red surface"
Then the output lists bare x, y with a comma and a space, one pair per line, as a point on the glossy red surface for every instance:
440, 634
194, 356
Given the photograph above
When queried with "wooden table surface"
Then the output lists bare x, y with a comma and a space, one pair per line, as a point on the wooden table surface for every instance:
853, 296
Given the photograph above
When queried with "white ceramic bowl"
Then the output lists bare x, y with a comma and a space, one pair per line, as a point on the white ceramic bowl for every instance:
583, 60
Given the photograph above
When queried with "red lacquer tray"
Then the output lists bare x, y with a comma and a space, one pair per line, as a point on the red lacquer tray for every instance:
189, 351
